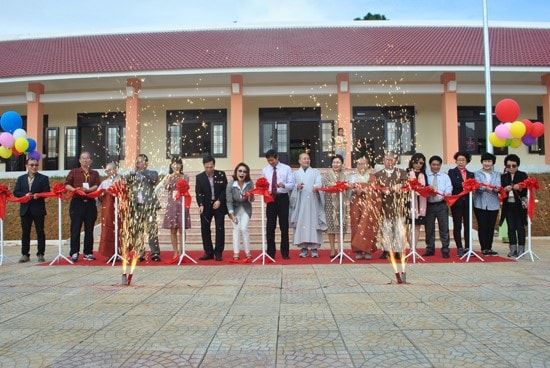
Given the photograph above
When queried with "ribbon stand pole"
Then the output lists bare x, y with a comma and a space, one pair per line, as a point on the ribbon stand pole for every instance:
2, 256
183, 253
264, 251
470, 251
115, 256
342, 254
529, 249
413, 251
59, 227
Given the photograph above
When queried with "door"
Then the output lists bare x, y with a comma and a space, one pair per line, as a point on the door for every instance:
369, 140
275, 136
304, 137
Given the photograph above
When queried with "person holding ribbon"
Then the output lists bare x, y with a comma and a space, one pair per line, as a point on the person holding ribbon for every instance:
34, 210
107, 204
486, 202
514, 207
417, 171
307, 215
82, 210
239, 206
172, 216
332, 203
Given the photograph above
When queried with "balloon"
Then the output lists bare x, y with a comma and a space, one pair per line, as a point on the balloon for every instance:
517, 129
6, 140
502, 131
495, 140
528, 125
10, 121
21, 144
19, 133
32, 144
528, 140
34, 155
5, 152
516, 143
15, 151
508, 142
507, 110
537, 129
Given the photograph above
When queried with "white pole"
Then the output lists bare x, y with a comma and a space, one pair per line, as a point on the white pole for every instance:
487, 65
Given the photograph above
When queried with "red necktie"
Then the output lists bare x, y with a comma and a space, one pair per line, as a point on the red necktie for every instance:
274, 182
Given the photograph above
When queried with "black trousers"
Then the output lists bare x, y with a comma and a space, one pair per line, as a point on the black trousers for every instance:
440, 212
486, 221
206, 220
277, 209
82, 212
515, 220
26, 224
461, 216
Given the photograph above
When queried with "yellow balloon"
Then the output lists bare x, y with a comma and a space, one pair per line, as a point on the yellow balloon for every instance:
516, 143
517, 129
21, 144
496, 141
5, 152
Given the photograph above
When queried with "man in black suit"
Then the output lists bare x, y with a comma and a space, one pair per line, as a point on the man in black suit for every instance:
460, 209
210, 191
34, 210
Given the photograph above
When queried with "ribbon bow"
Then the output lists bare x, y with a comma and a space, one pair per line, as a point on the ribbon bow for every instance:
182, 190
532, 185
261, 188
338, 187
6, 195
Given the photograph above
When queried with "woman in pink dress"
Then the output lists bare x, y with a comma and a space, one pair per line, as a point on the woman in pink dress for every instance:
172, 216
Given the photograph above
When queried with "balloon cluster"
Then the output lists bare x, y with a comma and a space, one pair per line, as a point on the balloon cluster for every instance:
512, 132
13, 139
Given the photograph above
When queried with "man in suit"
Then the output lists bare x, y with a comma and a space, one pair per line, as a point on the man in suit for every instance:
460, 209
211, 198
34, 210
142, 182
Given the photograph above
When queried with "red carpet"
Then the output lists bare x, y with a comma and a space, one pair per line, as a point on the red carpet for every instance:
324, 258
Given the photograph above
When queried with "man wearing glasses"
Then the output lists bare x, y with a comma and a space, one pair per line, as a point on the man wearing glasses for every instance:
34, 210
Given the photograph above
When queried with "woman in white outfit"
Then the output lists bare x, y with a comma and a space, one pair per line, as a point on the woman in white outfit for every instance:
240, 208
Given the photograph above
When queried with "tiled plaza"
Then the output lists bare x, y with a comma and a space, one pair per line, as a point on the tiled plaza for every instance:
350, 315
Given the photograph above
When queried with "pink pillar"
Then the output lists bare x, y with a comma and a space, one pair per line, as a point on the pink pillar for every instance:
35, 117
237, 138
133, 124
449, 112
344, 110
545, 79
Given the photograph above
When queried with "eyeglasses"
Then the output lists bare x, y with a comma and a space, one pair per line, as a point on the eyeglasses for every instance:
512, 166
33, 165
419, 162
242, 171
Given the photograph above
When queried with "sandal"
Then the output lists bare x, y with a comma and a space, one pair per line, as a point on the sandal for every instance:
248, 256
235, 258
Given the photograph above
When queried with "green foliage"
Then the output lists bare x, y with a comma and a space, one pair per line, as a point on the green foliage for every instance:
371, 16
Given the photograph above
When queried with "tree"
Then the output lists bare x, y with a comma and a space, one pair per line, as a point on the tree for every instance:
371, 16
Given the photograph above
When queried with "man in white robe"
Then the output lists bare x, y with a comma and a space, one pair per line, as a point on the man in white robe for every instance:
307, 214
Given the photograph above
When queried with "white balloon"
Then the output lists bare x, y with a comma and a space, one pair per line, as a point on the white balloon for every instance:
18, 133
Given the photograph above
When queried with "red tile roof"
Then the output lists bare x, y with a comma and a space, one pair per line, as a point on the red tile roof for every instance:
352, 46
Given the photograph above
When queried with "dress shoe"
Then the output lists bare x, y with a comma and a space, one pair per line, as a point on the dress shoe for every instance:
24, 258
41, 258
428, 253
155, 257
384, 255
206, 257
460, 252
286, 257
218, 257
445, 255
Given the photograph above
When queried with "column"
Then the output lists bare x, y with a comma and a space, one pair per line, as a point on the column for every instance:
449, 114
237, 139
344, 112
133, 123
545, 79
35, 116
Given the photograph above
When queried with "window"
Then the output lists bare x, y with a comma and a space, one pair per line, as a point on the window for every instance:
471, 131
538, 146
196, 133
71, 161
380, 129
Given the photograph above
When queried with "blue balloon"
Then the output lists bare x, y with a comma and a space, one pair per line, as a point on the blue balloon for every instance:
34, 155
528, 139
32, 144
10, 121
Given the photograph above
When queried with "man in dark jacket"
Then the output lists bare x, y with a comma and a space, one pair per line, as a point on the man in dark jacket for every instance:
34, 210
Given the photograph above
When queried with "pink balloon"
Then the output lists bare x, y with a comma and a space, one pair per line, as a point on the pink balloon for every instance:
7, 140
502, 131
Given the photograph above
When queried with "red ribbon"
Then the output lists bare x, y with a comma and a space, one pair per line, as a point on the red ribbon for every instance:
182, 190
338, 187
261, 188
532, 185
5, 195
469, 185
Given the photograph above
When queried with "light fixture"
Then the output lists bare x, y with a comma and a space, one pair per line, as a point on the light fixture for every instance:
451, 86
235, 88
31, 96
130, 91
343, 86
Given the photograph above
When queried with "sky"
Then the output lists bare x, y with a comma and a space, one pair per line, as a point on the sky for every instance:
39, 18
